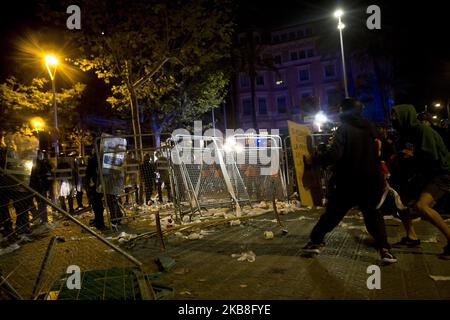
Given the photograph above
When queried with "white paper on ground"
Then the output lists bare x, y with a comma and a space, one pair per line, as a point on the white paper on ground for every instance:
440, 278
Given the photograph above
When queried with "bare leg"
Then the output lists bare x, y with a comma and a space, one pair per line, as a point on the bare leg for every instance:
409, 228
424, 205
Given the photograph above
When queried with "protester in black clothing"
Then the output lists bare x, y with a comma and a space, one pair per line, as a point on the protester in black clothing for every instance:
148, 175
40, 180
95, 197
162, 167
357, 177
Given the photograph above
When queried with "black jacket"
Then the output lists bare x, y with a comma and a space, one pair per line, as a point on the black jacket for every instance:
354, 156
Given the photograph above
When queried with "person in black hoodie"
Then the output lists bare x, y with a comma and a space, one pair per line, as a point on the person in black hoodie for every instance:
95, 197
358, 180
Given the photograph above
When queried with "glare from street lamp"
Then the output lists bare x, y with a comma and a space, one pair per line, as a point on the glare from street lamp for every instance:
437, 105
341, 26
37, 123
51, 60
338, 13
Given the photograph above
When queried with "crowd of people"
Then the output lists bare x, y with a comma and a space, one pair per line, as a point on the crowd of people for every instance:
415, 162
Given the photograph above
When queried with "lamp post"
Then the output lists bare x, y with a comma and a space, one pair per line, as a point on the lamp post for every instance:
51, 62
338, 14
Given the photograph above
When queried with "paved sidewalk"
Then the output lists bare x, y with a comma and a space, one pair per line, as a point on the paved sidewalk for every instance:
205, 268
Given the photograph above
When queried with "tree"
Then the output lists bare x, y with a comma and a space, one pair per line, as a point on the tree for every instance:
80, 137
20, 102
148, 49
249, 58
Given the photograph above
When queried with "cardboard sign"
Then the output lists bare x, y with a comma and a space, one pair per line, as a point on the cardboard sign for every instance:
307, 180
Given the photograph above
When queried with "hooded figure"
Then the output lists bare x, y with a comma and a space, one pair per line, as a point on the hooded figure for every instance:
429, 147
358, 179
432, 158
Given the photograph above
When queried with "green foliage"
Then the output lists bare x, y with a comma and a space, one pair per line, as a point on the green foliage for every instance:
175, 50
20, 102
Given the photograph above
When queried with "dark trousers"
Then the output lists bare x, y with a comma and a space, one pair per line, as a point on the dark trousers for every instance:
167, 187
338, 206
23, 204
80, 199
148, 189
95, 200
62, 202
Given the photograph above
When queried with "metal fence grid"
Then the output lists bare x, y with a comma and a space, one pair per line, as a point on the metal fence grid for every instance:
34, 254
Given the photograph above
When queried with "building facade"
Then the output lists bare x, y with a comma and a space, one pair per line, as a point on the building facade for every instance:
305, 77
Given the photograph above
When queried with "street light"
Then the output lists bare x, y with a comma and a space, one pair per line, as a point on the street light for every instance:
51, 62
37, 123
338, 14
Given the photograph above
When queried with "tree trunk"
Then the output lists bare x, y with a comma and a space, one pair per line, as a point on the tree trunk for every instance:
136, 124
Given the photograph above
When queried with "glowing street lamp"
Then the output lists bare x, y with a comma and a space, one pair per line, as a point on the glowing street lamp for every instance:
338, 14
51, 62
37, 123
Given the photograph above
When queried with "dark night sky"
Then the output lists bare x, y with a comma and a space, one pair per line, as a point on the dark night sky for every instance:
420, 32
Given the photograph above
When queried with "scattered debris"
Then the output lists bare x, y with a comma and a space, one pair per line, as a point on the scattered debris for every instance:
440, 278
431, 240
194, 236
305, 218
249, 256
185, 293
268, 235
343, 225
9, 249
235, 222
243, 285
66, 223
263, 205
180, 271
165, 263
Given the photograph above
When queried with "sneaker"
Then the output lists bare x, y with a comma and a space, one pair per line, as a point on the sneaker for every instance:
408, 242
313, 247
446, 254
387, 256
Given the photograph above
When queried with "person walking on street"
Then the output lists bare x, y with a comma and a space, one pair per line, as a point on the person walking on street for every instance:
432, 160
